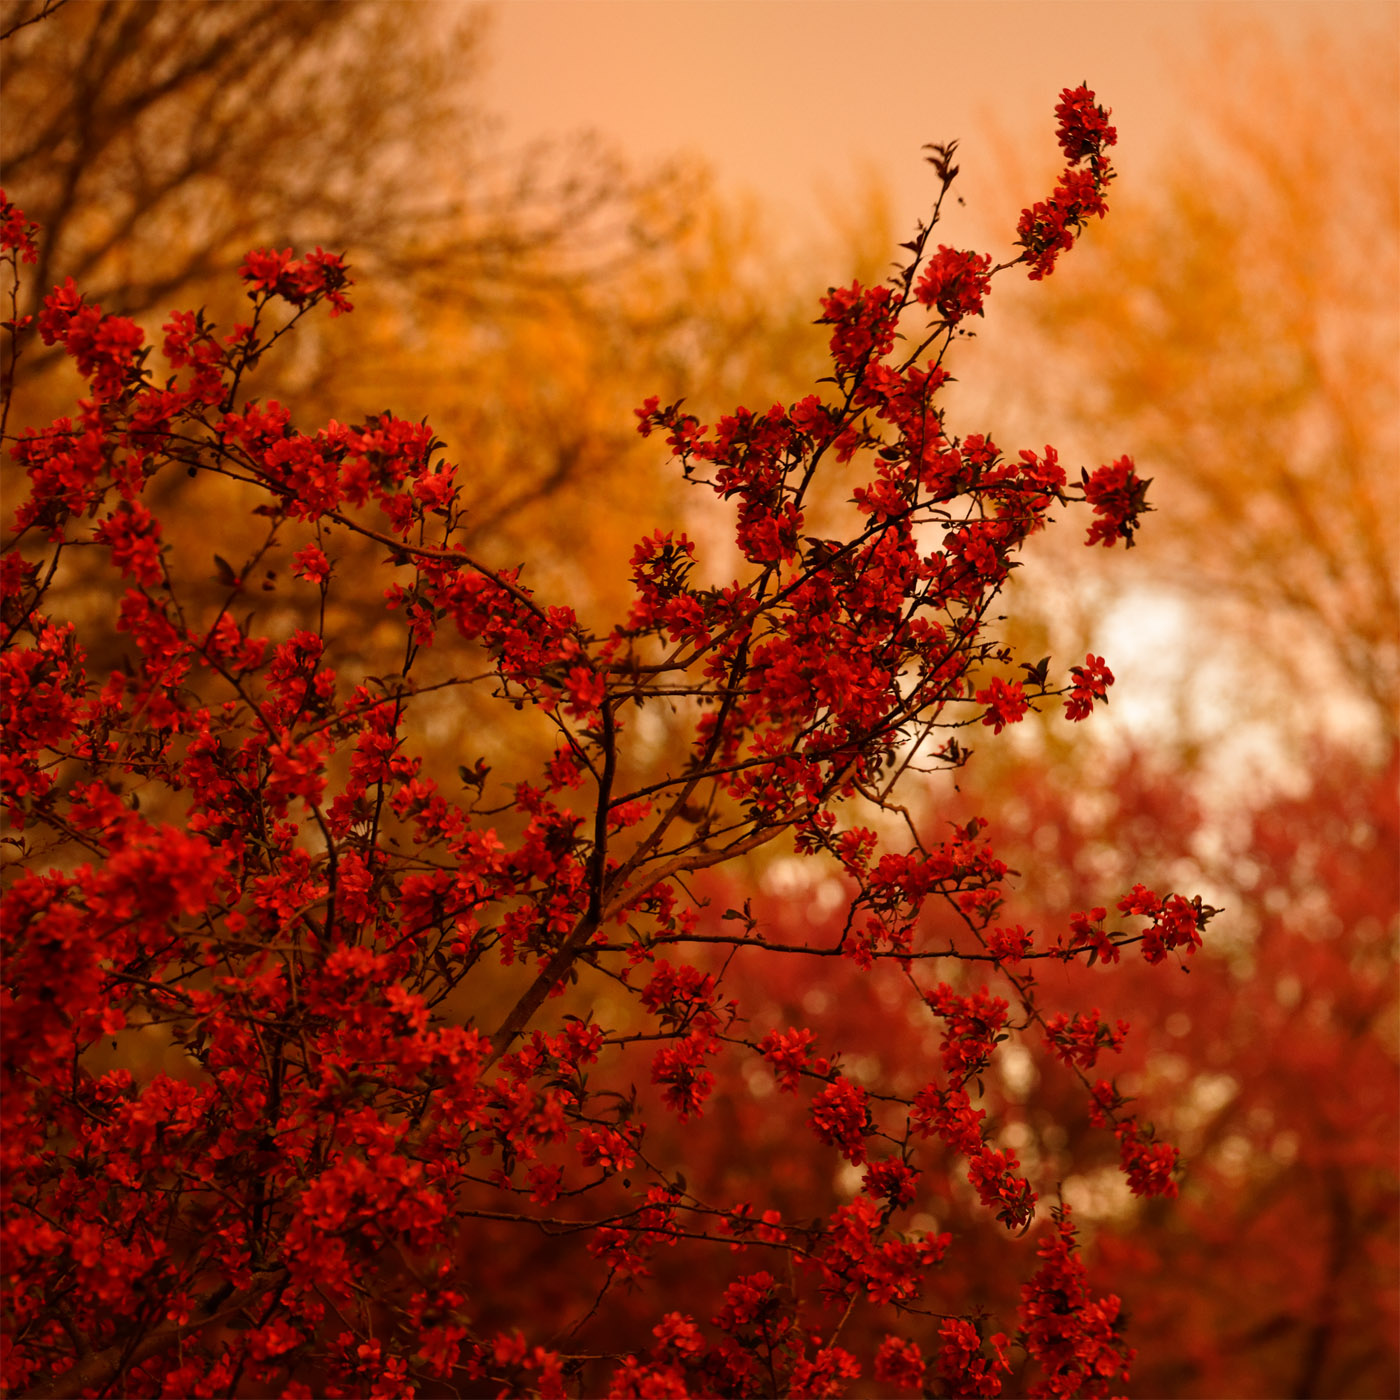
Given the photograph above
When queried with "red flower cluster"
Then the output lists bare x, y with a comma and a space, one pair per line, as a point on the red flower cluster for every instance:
1083, 126
1008, 1196
1049, 228
1091, 682
840, 1117
955, 283
787, 1052
1079, 1039
900, 1363
864, 321
103, 347
1177, 922
1075, 1338
1006, 704
962, 1366
299, 281
17, 232
973, 1026
1118, 496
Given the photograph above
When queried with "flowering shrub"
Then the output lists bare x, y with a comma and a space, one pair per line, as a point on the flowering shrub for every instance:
413, 1035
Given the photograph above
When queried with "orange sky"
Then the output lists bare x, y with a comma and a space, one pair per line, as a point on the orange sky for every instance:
796, 97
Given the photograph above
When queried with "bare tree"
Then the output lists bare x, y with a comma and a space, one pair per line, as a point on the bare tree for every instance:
156, 142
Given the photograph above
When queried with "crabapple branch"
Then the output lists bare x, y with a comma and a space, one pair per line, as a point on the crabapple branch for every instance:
256, 939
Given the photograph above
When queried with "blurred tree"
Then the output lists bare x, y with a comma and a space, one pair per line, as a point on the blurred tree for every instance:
157, 142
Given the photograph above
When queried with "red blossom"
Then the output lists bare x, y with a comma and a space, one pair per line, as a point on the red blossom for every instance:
1118, 497
1074, 1337
133, 535
973, 1026
840, 1118
311, 564
965, 1371
864, 322
1009, 1196
892, 1181
1149, 1166
955, 283
1080, 1039
104, 348
1006, 704
586, 690
681, 1070
1083, 125
824, 1375
1091, 682
298, 281
787, 1052
1009, 945
17, 232
1048, 228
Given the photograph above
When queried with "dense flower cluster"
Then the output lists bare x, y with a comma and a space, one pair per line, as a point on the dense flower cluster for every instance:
954, 283
298, 281
1076, 1338
962, 1365
395, 1035
18, 234
1091, 683
1049, 228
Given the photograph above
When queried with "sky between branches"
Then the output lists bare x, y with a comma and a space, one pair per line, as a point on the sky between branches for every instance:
802, 100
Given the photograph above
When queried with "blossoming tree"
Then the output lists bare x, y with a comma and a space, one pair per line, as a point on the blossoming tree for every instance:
415, 1038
